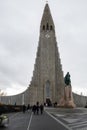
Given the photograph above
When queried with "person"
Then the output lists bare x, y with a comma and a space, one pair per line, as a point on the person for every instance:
41, 109
24, 108
37, 108
28, 107
34, 109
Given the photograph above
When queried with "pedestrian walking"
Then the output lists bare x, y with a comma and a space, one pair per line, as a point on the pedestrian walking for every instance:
34, 109
41, 109
24, 108
37, 108
28, 107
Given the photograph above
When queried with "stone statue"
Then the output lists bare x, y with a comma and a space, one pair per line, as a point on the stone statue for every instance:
67, 100
67, 79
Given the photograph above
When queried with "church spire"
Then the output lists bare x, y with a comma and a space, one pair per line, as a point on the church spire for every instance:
47, 20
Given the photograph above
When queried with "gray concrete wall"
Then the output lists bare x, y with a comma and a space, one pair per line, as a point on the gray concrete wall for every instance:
19, 99
23, 98
12, 99
80, 100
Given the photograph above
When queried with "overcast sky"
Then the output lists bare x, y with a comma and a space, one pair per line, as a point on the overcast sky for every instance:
19, 36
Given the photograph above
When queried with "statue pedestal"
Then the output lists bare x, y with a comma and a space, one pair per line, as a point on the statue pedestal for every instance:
67, 100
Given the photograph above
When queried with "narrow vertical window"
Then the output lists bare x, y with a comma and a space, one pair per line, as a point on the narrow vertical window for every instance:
43, 27
47, 27
51, 27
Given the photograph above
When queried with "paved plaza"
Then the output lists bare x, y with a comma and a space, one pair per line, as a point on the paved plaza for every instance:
29, 121
74, 119
51, 119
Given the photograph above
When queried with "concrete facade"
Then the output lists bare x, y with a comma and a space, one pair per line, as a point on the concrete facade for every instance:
47, 83
22, 98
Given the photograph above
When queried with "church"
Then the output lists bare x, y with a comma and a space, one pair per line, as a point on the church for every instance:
47, 84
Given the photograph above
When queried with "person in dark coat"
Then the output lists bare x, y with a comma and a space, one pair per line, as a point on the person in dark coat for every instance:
28, 107
41, 109
24, 108
34, 109
37, 107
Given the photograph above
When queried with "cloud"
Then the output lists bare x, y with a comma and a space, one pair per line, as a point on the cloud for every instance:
14, 89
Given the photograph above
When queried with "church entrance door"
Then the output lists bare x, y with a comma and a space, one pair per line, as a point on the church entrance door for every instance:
48, 102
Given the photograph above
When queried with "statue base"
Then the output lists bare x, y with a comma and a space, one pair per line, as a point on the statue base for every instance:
67, 101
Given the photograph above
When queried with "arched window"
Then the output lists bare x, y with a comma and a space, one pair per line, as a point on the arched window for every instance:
43, 27
47, 89
47, 27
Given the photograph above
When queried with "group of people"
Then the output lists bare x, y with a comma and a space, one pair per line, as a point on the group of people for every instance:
24, 108
36, 109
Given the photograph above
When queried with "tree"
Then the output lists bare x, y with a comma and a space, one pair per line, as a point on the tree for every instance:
2, 93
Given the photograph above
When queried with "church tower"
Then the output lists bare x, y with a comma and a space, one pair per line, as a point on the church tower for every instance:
47, 84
